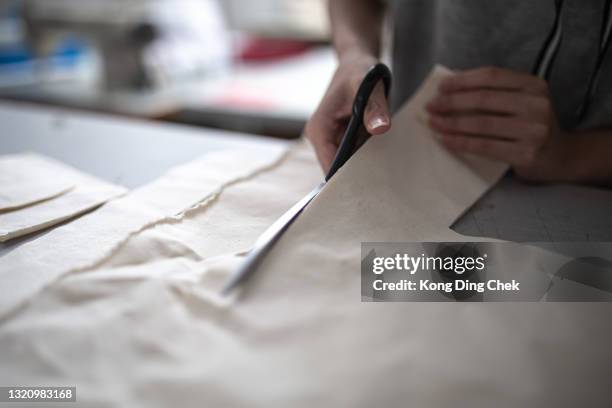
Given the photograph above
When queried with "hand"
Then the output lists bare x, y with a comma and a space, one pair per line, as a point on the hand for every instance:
327, 125
503, 115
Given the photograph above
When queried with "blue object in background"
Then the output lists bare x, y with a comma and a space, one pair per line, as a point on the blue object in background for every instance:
65, 54
16, 54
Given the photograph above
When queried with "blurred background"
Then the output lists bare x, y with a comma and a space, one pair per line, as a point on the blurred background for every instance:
252, 66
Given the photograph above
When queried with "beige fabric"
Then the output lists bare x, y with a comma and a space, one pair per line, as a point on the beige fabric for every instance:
90, 239
29, 178
43, 192
145, 327
85, 197
233, 222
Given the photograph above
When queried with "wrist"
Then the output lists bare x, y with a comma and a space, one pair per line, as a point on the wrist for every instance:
356, 54
585, 157
571, 163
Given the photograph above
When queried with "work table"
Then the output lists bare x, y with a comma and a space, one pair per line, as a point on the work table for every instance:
129, 152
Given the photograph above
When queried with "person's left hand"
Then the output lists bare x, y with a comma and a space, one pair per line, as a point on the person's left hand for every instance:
504, 115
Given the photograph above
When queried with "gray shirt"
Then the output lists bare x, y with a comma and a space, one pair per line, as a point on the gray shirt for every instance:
462, 34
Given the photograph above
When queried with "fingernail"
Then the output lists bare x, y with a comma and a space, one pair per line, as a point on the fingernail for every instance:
379, 121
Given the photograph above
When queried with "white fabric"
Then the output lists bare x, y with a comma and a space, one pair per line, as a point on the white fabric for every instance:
29, 178
144, 326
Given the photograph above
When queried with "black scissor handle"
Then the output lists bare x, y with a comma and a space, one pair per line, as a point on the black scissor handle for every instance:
348, 144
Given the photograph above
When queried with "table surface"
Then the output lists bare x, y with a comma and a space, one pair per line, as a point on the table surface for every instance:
128, 152
132, 153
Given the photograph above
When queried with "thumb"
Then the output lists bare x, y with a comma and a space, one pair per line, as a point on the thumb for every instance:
377, 118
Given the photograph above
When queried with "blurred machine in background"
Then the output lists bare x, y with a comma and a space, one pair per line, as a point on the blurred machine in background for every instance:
138, 41
204, 62
119, 31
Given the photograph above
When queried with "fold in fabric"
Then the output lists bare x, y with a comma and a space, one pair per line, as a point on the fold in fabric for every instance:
42, 200
30, 178
89, 194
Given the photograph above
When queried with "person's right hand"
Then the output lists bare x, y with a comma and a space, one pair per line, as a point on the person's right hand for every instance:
327, 125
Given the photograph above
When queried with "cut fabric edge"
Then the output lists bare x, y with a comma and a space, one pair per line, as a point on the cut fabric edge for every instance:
93, 198
16, 207
202, 204
11, 307
21, 165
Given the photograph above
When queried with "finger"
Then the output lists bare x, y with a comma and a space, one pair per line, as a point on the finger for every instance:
483, 100
325, 152
494, 78
377, 118
506, 151
486, 126
320, 135
326, 155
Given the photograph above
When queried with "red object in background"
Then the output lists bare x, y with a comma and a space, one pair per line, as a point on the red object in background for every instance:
240, 98
263, 49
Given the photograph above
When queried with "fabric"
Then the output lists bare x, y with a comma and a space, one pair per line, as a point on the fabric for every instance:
24, 180
233, 222
40, 192
32, 266
89, 194
144, 325
508, 34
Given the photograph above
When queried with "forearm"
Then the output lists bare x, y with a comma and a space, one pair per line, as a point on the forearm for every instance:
589, 157
356, 26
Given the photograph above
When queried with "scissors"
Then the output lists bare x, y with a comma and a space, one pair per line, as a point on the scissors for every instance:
353, 138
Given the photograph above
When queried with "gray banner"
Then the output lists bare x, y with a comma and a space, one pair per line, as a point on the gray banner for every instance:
486, 272
37, 394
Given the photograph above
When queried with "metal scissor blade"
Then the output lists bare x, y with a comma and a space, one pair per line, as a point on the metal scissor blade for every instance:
266, 240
